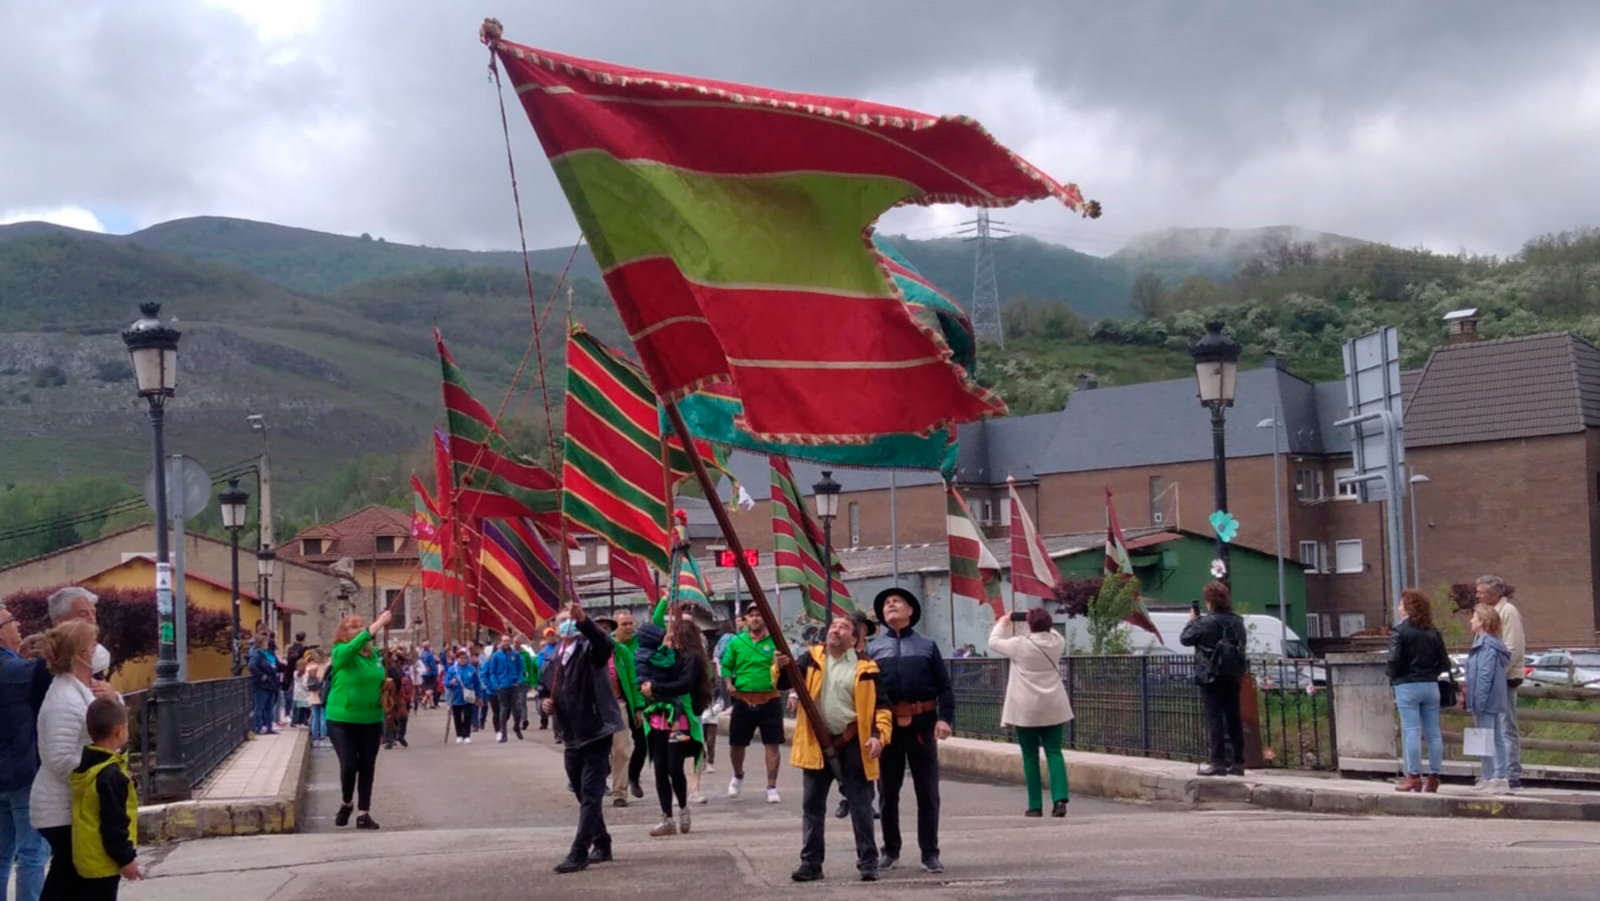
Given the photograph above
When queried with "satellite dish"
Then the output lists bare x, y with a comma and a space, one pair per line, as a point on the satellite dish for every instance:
188, 487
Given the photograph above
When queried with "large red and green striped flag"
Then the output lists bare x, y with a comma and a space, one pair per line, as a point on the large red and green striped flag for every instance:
612, 483
974, 571
631, 570
517, 577
690, 587
797, 544
731, 226
491, 480
425, 528
1032, 570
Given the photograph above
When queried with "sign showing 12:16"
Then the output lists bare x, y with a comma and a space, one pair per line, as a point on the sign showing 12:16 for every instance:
729, 559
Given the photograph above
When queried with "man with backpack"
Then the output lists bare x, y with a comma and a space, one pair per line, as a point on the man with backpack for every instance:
1219, 639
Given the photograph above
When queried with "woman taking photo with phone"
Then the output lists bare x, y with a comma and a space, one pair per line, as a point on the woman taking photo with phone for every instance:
1036, 700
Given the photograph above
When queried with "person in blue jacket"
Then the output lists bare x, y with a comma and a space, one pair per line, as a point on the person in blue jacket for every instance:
464, 686
264, 681
503, 678
1486, 695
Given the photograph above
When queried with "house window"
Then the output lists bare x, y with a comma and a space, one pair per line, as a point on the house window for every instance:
1309, 558
986, 513
1351, 623
1155, 501
386, 544
310, 547
395, 599
855, 525
1342, 490
602, 554
1313, 628
1347, 557
1308, 484
577, 556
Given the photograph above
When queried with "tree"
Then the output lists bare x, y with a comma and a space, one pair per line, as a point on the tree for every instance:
1108, 610
128, 622
1148, 296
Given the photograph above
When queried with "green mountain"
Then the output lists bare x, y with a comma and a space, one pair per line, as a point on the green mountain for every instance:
1025, 268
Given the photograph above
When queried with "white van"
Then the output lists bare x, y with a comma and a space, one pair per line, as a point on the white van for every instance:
1267, 634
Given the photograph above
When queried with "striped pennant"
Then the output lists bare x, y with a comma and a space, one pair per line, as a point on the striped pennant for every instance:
1117, 563
974, 571
690, 587
518, 578
611, 478
797, 547
425, 528
1032, 570
491, 480
730, 224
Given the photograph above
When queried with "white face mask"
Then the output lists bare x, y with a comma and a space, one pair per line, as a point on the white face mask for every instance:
102, 659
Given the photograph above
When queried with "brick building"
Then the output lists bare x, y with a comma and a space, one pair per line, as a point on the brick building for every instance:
1505, 432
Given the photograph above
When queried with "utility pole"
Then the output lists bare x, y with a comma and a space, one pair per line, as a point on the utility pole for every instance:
985, 288
258, 423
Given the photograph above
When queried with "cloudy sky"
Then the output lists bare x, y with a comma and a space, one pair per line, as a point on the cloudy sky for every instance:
1447, 123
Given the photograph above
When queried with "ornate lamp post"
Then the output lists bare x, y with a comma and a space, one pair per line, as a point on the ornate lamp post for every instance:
827, 497
1216, 372
153, 347
266, 558
235, 505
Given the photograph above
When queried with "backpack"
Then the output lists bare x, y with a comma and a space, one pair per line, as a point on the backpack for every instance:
1228, 661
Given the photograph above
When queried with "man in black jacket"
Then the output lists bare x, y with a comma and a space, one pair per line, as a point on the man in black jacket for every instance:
575, 689
924, 702
1220, 639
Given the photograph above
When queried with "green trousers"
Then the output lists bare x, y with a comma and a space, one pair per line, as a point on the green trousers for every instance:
1030, 738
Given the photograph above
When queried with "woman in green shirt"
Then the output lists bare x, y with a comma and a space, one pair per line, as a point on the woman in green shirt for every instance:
354, 709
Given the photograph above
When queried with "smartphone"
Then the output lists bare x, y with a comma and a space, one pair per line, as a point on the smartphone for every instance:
1194, 608
1019, 616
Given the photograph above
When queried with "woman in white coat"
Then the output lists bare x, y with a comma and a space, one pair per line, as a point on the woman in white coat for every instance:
63, 734
1036, 701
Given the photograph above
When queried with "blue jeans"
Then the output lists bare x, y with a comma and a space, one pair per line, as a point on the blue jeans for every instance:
265, 713
21, 842
1418, 703
1494, 767
1508, 728
319, 722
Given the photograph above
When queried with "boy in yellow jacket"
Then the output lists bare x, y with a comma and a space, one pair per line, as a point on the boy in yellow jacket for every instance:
845, 686
105, 807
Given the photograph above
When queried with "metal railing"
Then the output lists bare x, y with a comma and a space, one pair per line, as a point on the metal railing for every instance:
215, 720
1149, 706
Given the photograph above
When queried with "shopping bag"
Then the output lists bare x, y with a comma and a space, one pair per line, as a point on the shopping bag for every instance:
1479, 742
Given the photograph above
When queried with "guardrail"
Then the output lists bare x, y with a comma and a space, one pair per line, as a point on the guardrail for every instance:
1560, 726
1149, 706
215, 720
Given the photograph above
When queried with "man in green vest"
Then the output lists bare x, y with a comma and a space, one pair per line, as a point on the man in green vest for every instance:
750, 675
628, 749
105, 807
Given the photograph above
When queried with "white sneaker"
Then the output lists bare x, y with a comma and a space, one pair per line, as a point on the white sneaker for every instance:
466, 741
734, 785
772, 796
458, 739
697, 798
500, 737
710, 768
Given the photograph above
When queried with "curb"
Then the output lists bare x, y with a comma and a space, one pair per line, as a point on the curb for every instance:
161, 824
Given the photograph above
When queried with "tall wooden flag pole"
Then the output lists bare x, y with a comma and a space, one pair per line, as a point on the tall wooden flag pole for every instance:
757, 592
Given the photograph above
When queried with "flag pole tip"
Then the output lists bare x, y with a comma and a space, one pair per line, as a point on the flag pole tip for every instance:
490, 31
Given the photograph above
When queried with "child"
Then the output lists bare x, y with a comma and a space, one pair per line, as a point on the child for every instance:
302, 697
105, 807
653, 662
316, 692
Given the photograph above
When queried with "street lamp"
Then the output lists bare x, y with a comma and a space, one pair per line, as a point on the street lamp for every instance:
235, 505
1216, 371
827, 497
1272, 423
153, 347
1416, 479
266, 559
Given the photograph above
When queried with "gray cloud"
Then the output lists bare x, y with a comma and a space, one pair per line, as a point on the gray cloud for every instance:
1453, 124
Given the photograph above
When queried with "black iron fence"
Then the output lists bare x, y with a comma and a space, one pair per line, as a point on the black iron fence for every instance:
1149, 706
215, 719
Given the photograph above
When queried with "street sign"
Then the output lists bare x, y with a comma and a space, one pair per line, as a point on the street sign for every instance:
188, 487
1372, 383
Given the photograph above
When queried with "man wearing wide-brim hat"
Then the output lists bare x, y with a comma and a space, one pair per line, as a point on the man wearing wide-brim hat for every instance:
924, 705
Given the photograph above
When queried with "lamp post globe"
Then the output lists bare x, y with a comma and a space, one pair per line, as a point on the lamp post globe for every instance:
235, 505
1216, 375
153, 349
826, 493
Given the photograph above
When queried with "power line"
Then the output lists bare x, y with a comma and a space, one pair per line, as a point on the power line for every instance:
106, 510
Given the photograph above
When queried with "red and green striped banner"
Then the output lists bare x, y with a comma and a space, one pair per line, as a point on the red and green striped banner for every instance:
797, 547
491, 480
612, 482
425, 528
974, 570
517, 577
691, 587
731, 224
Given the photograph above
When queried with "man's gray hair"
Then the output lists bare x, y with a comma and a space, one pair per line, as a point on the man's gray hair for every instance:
1495, 584
60, 603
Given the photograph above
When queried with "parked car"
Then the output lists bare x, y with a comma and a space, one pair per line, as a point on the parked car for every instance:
1565, 669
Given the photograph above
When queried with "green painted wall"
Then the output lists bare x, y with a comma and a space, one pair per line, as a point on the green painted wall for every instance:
1173, 573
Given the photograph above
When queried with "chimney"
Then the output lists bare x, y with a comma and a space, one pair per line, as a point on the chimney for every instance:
1463, 326
1273, 361
1087, 381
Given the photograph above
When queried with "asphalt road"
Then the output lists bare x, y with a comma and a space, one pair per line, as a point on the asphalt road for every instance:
487, 821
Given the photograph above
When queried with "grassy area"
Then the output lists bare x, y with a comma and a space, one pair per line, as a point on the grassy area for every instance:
1455, 720
1036, 375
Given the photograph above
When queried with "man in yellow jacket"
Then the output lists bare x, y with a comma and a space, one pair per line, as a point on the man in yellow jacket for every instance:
845, 687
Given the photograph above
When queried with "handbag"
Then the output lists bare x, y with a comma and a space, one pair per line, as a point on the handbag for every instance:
1449, 693
1477, 742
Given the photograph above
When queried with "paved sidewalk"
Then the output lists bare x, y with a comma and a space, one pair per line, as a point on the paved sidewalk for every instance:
257, 789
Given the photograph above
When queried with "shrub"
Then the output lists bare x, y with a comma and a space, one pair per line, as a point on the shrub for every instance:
128, 622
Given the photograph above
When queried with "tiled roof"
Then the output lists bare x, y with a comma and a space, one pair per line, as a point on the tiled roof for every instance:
1505, 389
192, 536
355, 536
246, 594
